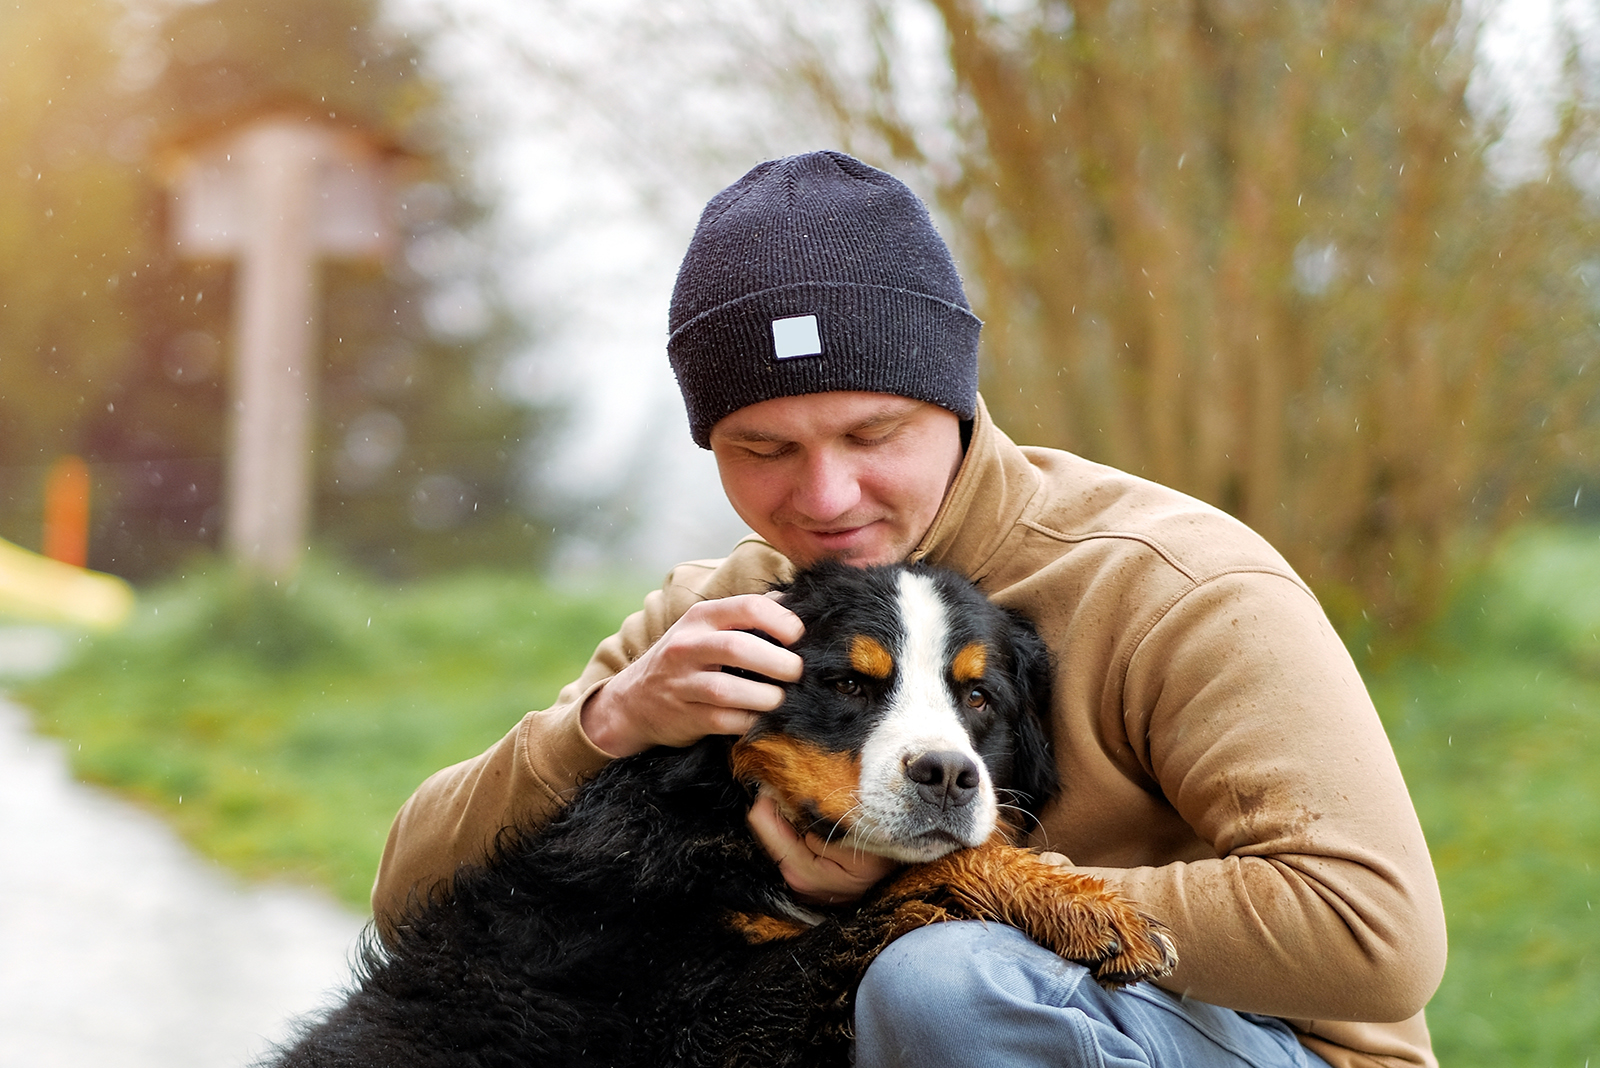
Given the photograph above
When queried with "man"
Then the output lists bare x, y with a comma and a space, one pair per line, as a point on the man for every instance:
1222, 763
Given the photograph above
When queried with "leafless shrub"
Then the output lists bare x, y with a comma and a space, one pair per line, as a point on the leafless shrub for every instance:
1254, 251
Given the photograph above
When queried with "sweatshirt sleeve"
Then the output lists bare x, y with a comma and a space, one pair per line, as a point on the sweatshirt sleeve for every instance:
455, 816
1321, 903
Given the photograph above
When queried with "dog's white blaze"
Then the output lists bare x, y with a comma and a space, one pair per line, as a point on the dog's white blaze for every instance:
921, 717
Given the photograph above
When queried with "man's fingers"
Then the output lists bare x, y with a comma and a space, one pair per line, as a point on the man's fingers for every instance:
728, 632
677, 692
817, 871
753, 653
860, 868
776, 620
729, 721
725, 690
774, 833
752, 612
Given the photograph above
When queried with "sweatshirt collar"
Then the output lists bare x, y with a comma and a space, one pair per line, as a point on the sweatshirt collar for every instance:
992, 487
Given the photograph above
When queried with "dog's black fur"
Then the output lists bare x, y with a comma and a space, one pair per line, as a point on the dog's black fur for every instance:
645, 926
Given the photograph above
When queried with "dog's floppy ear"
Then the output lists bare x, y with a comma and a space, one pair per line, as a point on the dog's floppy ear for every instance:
1033, 775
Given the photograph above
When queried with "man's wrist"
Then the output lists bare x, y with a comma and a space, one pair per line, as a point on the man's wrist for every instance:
602, 724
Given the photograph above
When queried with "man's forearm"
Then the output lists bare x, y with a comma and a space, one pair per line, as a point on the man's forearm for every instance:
1297, 937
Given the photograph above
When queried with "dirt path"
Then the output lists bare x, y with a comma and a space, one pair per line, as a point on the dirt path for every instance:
118, 946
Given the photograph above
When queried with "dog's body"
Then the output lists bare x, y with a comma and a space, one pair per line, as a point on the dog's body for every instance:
645, 926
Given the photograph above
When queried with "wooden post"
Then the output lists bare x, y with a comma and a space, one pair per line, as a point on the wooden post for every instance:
269, 468
276, 196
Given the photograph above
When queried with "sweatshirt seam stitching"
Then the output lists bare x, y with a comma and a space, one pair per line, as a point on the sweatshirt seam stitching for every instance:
1156, 619
1122, 535
1171, 558
533, 772
1144, 759
1165, 610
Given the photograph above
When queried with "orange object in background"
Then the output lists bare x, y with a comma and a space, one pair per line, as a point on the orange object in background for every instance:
66, 511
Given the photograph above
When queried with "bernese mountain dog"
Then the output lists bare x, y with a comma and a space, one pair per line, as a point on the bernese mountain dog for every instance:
645, 926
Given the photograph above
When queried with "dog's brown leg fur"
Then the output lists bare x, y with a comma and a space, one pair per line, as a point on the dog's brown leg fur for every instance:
757, 928
1074, 915
819, 967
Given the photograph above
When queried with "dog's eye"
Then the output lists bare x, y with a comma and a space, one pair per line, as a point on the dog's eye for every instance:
850, 686
977, 699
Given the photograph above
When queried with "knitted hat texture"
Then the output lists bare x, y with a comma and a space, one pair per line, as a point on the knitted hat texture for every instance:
816, 273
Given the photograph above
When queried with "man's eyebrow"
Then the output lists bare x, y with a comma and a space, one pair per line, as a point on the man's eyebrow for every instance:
752, 436
874, 421
882, 417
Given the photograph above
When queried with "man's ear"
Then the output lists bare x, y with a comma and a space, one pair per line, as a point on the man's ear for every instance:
1034, 775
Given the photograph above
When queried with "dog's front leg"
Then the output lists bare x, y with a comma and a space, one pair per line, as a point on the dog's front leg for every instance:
1072, 914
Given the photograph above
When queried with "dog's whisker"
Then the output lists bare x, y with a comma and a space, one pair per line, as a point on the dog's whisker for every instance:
840, 821
1023, 814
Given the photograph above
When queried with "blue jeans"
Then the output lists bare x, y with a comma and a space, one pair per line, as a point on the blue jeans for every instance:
965, 993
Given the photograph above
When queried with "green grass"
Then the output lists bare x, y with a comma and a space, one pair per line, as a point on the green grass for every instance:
292, 728
1497, 728
280, 731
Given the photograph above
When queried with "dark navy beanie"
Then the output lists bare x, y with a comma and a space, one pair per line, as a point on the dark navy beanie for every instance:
817, 273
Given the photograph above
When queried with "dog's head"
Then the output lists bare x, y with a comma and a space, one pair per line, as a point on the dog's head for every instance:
917, 718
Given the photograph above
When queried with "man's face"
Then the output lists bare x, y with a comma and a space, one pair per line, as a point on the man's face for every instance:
853, 476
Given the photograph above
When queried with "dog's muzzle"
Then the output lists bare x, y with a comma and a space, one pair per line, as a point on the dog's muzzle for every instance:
922, 801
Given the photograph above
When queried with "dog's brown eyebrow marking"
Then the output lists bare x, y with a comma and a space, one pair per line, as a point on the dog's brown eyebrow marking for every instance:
970, 662
870, 658
807, 779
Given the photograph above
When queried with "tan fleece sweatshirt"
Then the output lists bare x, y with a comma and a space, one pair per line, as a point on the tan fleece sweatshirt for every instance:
1221, 760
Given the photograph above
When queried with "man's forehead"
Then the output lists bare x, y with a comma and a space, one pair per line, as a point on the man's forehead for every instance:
784, 418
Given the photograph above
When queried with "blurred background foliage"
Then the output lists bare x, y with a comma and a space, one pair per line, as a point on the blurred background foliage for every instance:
280, 729
1260, 252
1256, 251
118, 351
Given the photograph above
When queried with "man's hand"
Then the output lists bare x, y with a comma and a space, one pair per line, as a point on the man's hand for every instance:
677, 693
816, 871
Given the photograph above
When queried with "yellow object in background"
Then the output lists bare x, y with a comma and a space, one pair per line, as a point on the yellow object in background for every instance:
39, 588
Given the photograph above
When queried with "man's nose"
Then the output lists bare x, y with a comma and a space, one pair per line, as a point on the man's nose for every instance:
828, 488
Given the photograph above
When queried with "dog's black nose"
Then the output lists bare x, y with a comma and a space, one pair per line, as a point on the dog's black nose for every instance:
944, 777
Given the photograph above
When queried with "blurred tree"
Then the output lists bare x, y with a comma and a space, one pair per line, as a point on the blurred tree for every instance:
1256, 252
418, 453
74, 231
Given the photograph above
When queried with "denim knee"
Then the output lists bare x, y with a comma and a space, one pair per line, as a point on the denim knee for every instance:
923, 987
945, 992
953, 994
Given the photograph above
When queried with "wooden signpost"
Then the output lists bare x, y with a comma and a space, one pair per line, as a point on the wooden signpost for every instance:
276, 195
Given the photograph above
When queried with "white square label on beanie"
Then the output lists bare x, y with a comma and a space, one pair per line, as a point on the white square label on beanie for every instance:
796, 336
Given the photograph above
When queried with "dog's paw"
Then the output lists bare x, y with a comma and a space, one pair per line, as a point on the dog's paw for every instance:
1070, 913
1138, 948
1079, 918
